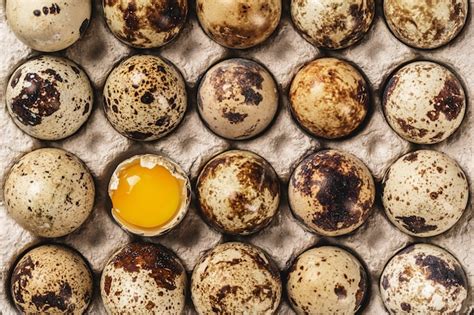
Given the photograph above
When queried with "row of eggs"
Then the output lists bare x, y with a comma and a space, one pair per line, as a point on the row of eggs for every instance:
50, 192
236, 278
330, 24
145, 98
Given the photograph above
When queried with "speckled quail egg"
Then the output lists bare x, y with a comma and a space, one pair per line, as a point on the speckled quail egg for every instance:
423, 279
145, 23
329, 98
238, 192
326, 280
424, 193
49, 97
49, 192
46, 25
424, 102
143, 278
51, 279
235, 278
239, 23
331, 192
333, 24
145, 97
237, 99
425, 24
150, 194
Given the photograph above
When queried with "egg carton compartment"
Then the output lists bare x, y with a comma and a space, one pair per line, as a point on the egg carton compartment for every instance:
283, 145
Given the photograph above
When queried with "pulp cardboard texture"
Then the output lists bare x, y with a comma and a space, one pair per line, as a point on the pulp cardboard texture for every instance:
283, 145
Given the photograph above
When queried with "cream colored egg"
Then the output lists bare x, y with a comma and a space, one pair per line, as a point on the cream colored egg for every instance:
145, 97
145, 23
333, 24
49, 192
239, 23
143, 278
423, 279
425, 24
424, 102
326, 280
51, 279
237, 99
329, 98
46, 25
331, 192
49, 97
238, 192
425, 193
235, 278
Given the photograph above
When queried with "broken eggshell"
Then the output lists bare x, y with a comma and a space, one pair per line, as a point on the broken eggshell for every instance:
150, 161
327, 280
48, 26
142, 278
423, 279
49, 97
424, 193
145, 23
331, 192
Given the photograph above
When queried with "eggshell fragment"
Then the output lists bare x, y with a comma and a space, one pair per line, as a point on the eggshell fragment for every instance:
423, 279
331, 192
424, 193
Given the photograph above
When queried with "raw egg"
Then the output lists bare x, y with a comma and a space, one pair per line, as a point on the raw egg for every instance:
150, 194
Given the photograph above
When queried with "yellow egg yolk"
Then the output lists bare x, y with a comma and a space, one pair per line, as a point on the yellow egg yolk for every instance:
146, 198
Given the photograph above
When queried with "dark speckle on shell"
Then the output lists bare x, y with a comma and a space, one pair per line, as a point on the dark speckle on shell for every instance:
416, 224
438, 270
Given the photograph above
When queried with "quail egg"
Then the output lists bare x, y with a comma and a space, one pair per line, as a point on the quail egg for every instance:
49, 97
237, 99
423, 279
425, 24
238, 192
49, 192
239, 23
48, 26
145, 23
51, 279
150, 194
329, 98
424, 102
145, 97
331, 192
143, 278
235, 278
424, 193
326, 280
333, 24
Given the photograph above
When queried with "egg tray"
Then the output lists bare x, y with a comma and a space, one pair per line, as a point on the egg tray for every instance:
283, 144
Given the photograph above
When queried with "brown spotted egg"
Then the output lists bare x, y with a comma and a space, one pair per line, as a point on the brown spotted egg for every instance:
239, 23
333, 24
143, 278
238, 192
424, 102
326, 280
145, 97
49, 192
426, 24
329, 98
332, 192
49, 97
423, 279
51, 279
48, 25
237, 99
425, 193
235, 278
145, 23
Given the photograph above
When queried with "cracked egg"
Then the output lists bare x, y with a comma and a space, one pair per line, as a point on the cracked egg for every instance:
150, 194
